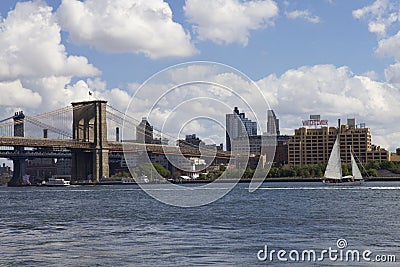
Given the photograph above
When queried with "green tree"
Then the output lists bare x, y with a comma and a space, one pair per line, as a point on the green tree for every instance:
162, 170
149, 169
248, 173
203, 176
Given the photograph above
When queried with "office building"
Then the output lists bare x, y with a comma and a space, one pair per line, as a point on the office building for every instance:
314, 145
272, 123
144, 132
237, 125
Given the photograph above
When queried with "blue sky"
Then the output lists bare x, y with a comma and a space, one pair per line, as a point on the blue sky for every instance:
337, 58
337, 39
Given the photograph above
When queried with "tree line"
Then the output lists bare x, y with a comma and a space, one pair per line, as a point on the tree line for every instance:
278, 170
305, 171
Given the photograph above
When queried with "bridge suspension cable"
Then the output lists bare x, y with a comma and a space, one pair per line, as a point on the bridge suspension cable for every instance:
60, 122
127, 120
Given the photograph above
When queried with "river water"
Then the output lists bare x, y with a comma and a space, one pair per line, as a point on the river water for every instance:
123, 226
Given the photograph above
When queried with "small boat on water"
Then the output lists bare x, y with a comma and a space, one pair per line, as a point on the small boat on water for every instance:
142, 179
333, 172
56, 182
128, 180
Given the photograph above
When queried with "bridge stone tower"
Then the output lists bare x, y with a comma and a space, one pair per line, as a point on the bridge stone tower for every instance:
90, 126
19, 162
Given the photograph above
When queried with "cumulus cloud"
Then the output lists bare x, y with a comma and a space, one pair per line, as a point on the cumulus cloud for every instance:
381, 15
333, 92
196, 94
35, 68
390, 47
392, 74
371, 74
60, 92
30, 45
303, 14
14, 94
229, 21
139, 26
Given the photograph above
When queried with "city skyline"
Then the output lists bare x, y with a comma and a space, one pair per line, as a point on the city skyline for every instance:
335, 58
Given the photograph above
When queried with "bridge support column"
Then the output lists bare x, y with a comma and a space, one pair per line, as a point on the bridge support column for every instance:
81, 165
18, 172
101, 168
89, 125
19, 164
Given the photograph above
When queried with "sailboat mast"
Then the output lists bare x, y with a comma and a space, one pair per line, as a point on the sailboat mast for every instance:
340, 159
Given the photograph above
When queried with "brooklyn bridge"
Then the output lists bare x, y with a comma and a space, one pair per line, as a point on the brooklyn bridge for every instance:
86, 132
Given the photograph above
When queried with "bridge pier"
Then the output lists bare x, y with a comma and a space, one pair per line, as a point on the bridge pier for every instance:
19, 163
89, 125
18, 172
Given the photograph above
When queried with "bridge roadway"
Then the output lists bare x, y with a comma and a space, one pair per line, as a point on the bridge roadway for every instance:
58, 144
42, 142
29, 154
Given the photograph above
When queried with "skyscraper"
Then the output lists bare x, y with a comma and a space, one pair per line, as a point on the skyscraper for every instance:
238, 125
144, 132
272, 123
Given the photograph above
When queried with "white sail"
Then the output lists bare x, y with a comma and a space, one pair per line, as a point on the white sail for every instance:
354, 169
334, 167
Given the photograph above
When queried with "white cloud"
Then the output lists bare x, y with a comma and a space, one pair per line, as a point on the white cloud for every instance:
303, 14
377, 27
382, 14
375, 9
14, 94
383, 17
30, 45
390, 47
333, 92
97, 84
116, 97
371, 74
59, 92
136, 26
392, 74
35, 68
229, 21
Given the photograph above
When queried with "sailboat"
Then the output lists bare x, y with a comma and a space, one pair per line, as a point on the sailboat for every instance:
333, 172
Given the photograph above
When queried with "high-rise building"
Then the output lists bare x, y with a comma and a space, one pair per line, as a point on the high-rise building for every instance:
144, 132
237, 125
272, 123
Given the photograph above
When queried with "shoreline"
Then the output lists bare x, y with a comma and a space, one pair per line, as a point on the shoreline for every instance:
268, 180
289, 179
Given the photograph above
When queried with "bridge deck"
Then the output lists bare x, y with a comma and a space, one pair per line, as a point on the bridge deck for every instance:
112, 146
42, 142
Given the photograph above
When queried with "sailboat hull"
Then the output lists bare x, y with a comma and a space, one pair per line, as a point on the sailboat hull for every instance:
336, 182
